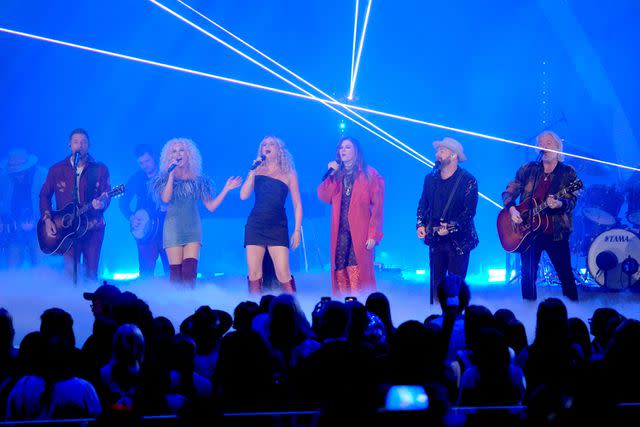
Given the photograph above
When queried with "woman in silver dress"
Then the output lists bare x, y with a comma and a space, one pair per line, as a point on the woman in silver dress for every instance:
180, 185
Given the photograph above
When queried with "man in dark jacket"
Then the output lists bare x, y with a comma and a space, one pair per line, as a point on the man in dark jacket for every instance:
446, 211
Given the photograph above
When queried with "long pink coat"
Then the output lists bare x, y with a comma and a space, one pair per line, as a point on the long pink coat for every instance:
365, 221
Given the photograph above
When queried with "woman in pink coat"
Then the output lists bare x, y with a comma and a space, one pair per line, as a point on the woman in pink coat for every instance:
356, 194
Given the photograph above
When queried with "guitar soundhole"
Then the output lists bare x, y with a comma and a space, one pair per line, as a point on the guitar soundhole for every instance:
67, 220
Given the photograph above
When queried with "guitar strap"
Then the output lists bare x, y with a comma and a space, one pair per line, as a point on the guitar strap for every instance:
453, 192
444, 211
92, 173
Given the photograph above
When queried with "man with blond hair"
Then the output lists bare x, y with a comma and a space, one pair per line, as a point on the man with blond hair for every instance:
542, 180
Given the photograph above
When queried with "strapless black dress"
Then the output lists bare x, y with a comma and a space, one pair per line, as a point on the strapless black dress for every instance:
267, 222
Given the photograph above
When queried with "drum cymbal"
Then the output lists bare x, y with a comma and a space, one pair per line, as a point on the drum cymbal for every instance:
586, 167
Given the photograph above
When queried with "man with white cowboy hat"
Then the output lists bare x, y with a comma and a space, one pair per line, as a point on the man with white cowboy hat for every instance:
20, 182
445, 213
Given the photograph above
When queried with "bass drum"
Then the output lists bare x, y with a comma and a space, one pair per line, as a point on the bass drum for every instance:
607, 253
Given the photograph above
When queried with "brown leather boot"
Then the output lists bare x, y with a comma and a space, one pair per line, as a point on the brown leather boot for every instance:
289, 287
255, 286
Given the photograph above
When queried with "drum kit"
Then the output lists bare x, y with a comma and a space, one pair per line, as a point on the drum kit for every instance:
610, 249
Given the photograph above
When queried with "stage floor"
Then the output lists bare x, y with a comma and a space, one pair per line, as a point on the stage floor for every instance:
27, 293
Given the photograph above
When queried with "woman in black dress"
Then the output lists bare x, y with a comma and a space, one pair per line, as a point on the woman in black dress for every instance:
267, 229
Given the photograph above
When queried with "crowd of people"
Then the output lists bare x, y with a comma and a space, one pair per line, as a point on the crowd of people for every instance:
341, 359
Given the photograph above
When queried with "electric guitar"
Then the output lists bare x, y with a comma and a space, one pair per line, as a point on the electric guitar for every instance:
516, 237
432, 235
71, 223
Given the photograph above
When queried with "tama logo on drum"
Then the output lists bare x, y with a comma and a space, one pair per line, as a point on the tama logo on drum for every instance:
617, 239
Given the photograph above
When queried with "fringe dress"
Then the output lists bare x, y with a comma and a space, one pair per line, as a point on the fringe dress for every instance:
182, 224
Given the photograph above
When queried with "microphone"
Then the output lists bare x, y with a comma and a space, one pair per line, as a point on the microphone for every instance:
257, 163
436, 167
76, 158
329, 171
540, 154
173, 166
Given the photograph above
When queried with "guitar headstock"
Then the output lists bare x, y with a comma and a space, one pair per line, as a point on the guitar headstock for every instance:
575, 186
116, 191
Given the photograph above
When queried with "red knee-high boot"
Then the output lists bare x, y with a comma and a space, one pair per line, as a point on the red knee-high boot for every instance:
255, 286
290, 286
175, 273
189, 271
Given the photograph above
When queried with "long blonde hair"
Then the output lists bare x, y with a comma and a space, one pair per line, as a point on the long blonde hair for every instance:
284, 161
193, 161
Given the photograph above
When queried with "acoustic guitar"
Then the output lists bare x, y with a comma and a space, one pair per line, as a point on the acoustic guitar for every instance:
71, 223
517, 237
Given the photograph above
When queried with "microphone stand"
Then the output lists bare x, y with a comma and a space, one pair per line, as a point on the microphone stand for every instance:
532, 249
432, 286
76, 204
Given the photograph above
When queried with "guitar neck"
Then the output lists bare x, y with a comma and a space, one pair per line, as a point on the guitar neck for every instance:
449, 227
83, 210
541, 207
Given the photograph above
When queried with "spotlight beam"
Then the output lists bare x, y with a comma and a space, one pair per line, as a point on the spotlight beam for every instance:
332, 101
350, 108
355, 37
215, 77
282, 67
361, 45
398, 144
301, 96
208, 75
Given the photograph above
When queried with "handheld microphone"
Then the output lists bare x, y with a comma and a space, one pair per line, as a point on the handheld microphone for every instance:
540, 154
257, 163
76, 158
328, 172
173, 166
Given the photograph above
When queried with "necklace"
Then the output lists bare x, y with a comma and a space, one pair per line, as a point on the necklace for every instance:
547, 175
347, 183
